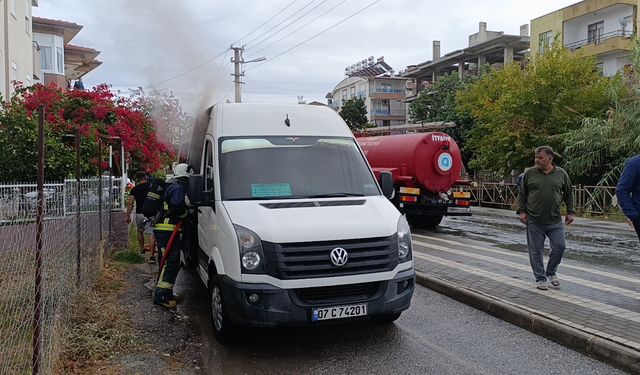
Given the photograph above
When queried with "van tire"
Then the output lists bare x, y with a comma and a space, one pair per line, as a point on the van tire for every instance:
386, 318
224, 329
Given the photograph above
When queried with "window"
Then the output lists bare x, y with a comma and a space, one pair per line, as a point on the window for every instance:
344, 95
14, 71
627, 29
275, 167
208, 171
60, 60
594, 32
46, 62
544, 41
353, 92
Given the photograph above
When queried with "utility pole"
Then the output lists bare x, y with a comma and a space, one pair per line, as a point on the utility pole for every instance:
238, 60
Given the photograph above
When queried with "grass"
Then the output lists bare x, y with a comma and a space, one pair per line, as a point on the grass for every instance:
128, 257
99, 328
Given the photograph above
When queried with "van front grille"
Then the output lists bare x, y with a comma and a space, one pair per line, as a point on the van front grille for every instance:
303, 260
338, 293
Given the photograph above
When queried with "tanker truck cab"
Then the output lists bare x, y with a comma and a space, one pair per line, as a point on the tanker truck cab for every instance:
292, 226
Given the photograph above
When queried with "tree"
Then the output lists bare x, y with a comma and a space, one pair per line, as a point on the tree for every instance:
597, 150
438, 103
95, 114
354, 113
527, 105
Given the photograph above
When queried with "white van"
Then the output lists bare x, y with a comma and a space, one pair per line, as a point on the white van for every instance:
292, 227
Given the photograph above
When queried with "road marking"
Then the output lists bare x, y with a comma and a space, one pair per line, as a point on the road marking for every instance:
504, 252
591, 284
555, 294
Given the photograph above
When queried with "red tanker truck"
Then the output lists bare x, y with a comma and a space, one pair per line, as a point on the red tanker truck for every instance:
426, 174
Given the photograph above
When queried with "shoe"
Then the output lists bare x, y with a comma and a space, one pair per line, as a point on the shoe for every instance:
554, 280
542, 285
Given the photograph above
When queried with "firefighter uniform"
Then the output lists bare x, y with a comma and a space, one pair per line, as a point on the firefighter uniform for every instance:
175, 210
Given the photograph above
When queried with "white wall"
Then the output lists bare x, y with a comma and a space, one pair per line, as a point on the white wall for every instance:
20, 41
576, 29
612, 63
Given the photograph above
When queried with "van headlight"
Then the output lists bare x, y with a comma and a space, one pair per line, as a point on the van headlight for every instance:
404, 240
251, 253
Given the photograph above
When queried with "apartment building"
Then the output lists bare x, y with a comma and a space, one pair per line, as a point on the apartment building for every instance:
374, 82
60, 61
600, 28
17, 50
485, 47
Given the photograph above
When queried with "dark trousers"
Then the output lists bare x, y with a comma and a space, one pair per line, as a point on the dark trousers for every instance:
636, 225
169, 272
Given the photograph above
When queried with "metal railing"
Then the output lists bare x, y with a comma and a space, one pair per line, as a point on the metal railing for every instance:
598, 39
388, 90
18, 201
598, 200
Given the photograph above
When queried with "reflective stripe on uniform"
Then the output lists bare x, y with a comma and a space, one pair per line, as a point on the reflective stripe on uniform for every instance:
153, 195
163, 284
164, 227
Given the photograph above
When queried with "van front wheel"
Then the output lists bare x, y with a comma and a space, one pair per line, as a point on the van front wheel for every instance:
223, 328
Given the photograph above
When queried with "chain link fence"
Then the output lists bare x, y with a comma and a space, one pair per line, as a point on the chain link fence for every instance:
74, 240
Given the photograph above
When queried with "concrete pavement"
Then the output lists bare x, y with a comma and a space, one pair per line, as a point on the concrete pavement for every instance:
596, 309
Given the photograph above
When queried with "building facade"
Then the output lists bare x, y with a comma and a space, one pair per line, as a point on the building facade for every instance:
17, 50
599, 28
60, 61
485, 47
383, 93
383, 97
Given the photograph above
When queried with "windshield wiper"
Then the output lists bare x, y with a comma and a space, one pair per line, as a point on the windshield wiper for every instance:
335, 195
266, 198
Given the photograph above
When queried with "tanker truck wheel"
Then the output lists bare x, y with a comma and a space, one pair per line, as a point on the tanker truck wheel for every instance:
424, 222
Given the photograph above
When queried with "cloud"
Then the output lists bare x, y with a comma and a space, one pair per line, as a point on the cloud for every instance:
148, 41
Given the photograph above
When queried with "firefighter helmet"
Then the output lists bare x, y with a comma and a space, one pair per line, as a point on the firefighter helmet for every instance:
182, 170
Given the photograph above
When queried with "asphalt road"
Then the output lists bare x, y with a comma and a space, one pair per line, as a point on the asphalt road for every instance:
436, 335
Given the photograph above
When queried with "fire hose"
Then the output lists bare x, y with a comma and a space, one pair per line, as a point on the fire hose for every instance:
167, 250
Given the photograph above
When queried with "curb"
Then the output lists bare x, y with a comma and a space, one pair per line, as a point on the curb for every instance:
594, 346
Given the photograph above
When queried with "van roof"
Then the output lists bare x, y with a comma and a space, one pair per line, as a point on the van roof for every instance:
245, 119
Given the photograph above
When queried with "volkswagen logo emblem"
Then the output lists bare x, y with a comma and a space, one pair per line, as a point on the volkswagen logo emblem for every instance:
339, 256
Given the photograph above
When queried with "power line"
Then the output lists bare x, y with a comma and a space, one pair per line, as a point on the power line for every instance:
189, 70
280, 23
266, 22
300, 28
316, 35
291, 23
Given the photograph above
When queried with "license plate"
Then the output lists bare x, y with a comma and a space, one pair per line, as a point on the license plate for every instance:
461, 194
338, 312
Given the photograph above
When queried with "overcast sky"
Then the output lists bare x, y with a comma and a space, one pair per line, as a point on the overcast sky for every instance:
147, 42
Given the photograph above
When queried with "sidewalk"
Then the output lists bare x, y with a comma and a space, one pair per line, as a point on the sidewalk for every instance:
596, 309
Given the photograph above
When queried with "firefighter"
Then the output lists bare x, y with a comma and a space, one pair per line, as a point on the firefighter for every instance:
175, 210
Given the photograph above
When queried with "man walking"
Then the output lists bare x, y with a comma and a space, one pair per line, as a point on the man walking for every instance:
137, 195
175, 210
542, 190
628, 192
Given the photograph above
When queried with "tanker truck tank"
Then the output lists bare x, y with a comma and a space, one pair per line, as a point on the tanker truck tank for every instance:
426, 170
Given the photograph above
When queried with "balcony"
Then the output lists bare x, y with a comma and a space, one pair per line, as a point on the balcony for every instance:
611, 41
388, 90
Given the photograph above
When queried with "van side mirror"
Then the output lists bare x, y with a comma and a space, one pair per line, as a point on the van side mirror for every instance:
386, 183
196, 193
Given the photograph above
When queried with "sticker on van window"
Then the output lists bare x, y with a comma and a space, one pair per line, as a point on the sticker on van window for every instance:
270, 190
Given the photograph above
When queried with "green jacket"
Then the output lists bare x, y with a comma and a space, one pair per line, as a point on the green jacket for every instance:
540, 195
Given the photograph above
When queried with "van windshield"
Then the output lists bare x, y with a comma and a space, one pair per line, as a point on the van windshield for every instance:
293, 167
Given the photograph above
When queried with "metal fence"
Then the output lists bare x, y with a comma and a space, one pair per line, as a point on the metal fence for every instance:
597, 200
18, 200
71, 257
